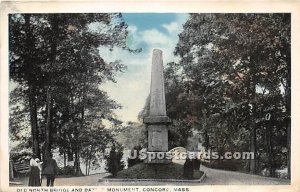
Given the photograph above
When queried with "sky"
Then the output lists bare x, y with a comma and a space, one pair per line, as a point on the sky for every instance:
146, 31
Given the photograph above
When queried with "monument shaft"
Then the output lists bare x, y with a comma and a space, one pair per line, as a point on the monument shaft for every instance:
157, 121
157, 92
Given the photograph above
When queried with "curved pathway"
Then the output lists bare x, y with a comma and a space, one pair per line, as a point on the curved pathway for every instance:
222, 177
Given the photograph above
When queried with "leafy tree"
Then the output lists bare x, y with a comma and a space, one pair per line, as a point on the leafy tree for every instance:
93, 142
131, 135
55, 62
232, 66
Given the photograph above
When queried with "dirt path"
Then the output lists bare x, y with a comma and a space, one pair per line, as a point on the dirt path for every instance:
213, 177
221, 177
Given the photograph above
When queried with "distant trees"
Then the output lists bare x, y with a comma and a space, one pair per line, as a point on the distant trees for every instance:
131, 135
57, 70
234, 71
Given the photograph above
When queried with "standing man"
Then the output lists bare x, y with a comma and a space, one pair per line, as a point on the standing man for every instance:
50, 170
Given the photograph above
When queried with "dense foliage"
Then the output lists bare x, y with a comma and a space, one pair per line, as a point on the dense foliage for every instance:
55, 71
233, 74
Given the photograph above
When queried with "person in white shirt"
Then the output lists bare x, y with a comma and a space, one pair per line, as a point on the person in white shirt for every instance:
34, 174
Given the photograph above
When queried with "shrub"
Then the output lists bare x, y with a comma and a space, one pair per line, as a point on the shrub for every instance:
188, 170
230, 164
196, 164
67, 170
132, 162
114, 163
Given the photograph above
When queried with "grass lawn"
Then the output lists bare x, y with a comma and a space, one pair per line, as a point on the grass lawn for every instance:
155, 171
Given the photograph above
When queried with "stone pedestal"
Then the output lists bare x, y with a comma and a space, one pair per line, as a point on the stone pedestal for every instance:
157, 121
157, 127
157, 139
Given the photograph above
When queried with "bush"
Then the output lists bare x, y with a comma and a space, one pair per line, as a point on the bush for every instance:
196, 164
114, 163
230, 164
23, 156
132, 162
67, 170
188, 170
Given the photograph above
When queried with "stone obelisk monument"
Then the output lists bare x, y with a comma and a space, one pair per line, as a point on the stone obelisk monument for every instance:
157, 121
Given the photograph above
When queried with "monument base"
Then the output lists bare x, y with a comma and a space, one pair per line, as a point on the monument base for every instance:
157, 138
158, 157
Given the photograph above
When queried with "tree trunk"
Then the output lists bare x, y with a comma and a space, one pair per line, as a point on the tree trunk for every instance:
253, 150
48, 125
76, 133
77, 168
54, 23
252, 127
89, 167
252, 100
65, 159
70, 154
90, 158
31, 88
75, 163
77, 156
86, 162
33, 122
269, 148
86, 165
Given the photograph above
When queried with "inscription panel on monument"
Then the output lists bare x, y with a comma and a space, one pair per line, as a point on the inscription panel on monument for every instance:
157, 141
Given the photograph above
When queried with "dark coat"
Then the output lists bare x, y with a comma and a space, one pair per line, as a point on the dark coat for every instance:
50, 168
